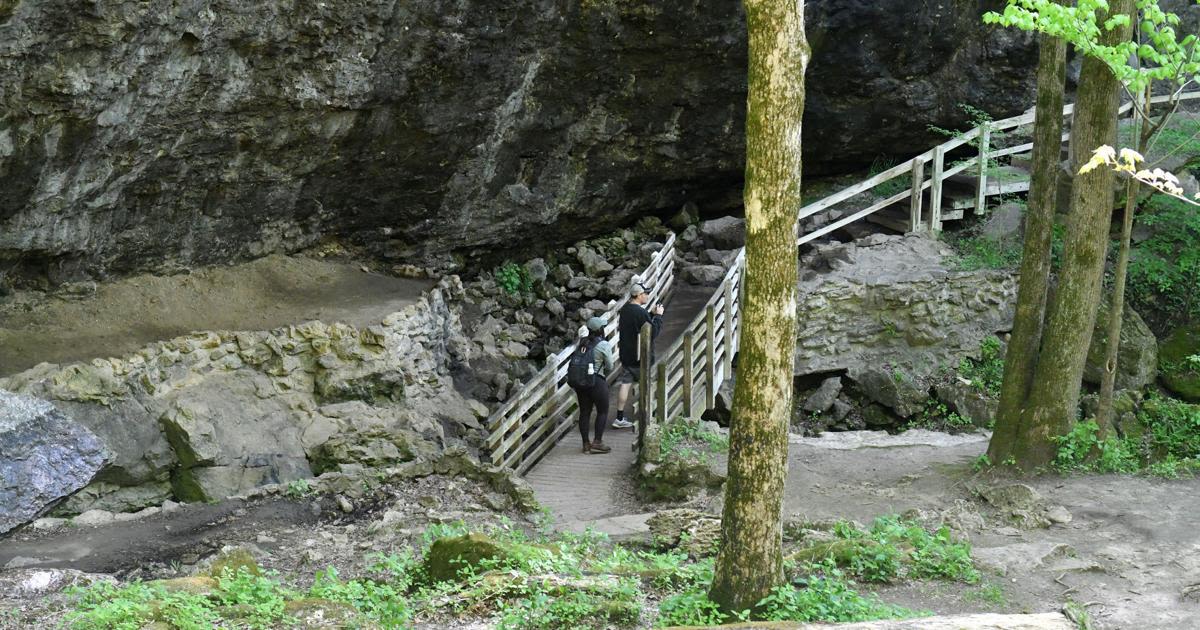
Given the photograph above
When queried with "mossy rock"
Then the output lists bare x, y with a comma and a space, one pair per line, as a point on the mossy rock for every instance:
194, 585
233, 560
448, 556
1181, 379
843, 552
313, 612
620, 613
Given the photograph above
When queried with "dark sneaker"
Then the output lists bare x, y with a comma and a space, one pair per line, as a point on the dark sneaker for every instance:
587, 447
600, 447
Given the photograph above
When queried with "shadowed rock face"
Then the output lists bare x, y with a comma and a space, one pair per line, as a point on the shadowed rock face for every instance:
155, 135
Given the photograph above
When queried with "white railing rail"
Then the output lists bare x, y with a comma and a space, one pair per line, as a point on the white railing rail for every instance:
534, 417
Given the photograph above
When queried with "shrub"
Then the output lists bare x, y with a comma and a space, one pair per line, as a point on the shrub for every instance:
987, 372
1164, 270
826, 596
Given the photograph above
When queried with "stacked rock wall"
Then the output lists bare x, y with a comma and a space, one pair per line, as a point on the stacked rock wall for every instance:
216, 413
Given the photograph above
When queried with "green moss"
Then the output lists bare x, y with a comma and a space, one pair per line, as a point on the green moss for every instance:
448, 556
1179, 374
232, 562
185, 487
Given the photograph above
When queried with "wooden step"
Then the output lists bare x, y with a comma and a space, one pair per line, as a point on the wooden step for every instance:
896, 217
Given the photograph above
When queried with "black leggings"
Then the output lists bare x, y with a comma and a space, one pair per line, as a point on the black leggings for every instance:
594, 396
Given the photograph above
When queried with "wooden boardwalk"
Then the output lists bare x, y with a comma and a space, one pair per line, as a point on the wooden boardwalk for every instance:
578, 488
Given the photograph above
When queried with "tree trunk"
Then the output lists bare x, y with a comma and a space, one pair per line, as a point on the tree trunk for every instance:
1117, 307
1022, 354
1054, 393
750, 562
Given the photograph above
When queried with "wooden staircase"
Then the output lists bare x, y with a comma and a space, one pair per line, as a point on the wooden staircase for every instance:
684, 379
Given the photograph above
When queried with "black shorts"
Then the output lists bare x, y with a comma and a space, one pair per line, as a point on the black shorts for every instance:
629, 375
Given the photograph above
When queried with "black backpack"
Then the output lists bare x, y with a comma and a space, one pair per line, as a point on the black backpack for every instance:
581, 371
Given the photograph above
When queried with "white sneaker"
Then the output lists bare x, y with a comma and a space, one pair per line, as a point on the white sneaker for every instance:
622, 423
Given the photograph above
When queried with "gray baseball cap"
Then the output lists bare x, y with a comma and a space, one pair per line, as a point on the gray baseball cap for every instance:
637, 289
596, 324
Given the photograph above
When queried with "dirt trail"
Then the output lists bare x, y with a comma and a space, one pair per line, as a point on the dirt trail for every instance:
1131, 549
122, 316
197, 529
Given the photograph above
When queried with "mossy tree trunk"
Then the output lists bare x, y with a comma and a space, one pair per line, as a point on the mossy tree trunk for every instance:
1022, 354
750, 562
1116, 311
1053, 397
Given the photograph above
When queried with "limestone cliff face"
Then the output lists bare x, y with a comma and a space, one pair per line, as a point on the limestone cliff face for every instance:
155, 135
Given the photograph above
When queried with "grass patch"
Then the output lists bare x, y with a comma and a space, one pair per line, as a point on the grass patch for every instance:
540, 583
893, 186
692, 440
976, 252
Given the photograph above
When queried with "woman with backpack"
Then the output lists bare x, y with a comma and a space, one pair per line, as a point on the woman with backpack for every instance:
587, 374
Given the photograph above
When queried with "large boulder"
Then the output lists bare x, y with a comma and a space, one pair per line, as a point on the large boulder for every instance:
135, 131
891, 311
44, 457
1137, 356
724, 233
1179, 357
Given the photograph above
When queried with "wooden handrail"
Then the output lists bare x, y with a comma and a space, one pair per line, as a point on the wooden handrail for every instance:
683, 383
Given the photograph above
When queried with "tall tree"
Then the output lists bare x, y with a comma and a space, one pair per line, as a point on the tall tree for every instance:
750, 562
1095, 29
1054, 393
1021, 357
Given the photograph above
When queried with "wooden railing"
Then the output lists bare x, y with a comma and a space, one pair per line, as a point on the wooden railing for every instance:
535, 416
683, 381
977, 141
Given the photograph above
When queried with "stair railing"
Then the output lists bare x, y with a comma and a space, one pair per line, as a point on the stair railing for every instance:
540, 411
683, 382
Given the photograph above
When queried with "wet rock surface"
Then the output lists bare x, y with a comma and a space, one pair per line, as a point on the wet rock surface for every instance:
44, 457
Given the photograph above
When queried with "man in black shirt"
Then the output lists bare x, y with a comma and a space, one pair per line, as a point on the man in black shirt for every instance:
632, 317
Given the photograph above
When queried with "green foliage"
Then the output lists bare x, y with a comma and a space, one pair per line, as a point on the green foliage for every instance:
826, 596
684, 439
987, 372
382, 602
990, 594
260, 598
1174, 428
1082, 450
105, 606
931, 555
298, 488
1161, 54
1169, 446
513, 278
1164, 270
980, 252
893, 186
690, 608
936, 416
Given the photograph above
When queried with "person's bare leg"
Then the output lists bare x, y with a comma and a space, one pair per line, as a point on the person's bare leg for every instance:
623, 398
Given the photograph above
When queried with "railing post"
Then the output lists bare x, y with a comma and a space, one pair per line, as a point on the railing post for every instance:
935, 195
661, 387
728, 329
915, 222
645, 341
985, 138
710, 359
689, 376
